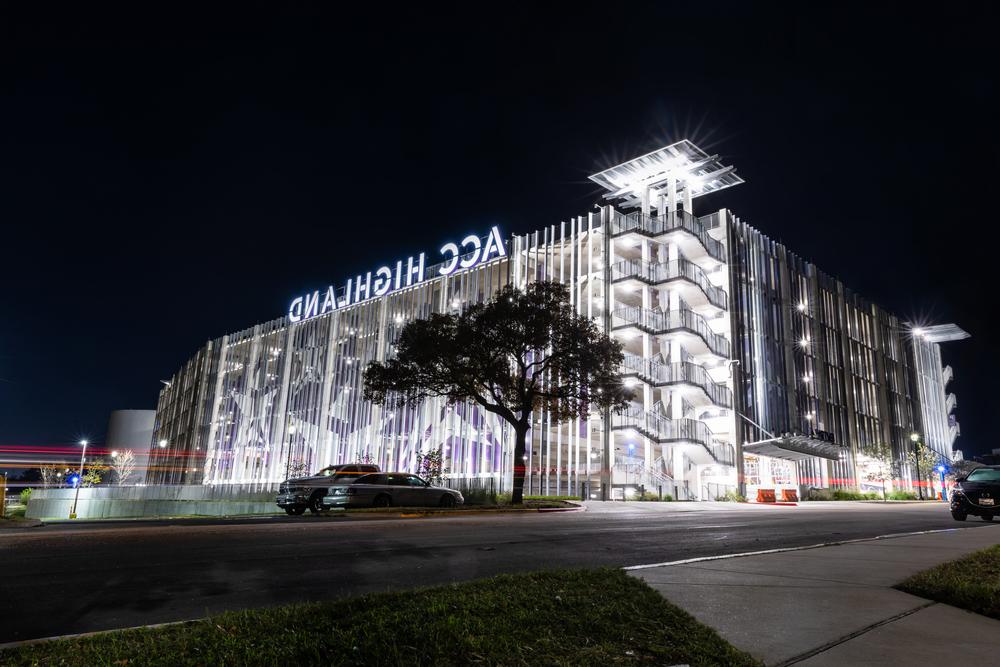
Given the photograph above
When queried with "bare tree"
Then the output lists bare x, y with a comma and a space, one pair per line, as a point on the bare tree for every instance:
122, 465
52, 473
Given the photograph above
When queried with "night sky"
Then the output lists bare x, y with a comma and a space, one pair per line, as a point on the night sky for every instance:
169, 178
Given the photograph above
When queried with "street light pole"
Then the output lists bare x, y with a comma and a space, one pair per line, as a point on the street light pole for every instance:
79, 480
915, 438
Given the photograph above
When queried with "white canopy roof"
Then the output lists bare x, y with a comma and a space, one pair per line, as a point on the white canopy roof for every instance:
692, 169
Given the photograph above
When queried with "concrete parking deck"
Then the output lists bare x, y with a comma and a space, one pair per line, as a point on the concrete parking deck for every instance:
834, 605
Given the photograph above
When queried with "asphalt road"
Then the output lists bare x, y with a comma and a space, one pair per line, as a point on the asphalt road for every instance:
63, 578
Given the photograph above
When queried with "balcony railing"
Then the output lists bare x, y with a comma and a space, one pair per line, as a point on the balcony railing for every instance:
658, 322
623, 223
680, 372
657, 273
658, 428
946, 375
950, 403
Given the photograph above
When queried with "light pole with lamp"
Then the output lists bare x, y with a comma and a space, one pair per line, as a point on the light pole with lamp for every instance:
79, 480
915, 438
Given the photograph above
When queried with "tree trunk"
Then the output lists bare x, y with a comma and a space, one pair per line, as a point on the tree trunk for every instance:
520, 439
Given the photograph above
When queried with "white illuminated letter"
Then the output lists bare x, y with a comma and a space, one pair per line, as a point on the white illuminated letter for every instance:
414, 272
295, 310
329, 301
476, 245
399, 273
383, 281
493, 244
363, 288
312, 305
346, 301
453, 262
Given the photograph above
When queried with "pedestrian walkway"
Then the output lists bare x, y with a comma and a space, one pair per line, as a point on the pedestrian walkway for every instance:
834, 605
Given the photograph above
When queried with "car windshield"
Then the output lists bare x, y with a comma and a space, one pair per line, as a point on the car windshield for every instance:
984, 475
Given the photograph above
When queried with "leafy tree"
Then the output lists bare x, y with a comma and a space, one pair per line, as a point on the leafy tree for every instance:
962, 468
925, 462
297, 468
430, 466
523, 350
91, 477
884, 466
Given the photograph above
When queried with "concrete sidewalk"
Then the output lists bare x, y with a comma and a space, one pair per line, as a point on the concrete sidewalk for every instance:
835, 605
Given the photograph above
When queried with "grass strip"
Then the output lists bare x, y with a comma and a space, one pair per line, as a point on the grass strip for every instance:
557, 617
972, 582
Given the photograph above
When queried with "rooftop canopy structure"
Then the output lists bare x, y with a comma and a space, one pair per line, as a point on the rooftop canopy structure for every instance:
680, 171
941, 333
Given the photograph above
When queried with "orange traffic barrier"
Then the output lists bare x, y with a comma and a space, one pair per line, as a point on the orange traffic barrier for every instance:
789, 496
765, 496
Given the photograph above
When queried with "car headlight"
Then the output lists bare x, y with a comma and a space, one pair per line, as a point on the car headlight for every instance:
957, 488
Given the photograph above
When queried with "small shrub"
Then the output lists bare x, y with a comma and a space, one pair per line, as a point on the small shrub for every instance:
851, 494
901, 495
819, 494
649, 496
504, 498
731, 496
480, 497
25, 496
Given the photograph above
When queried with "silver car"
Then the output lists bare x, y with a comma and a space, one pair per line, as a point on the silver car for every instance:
391, 489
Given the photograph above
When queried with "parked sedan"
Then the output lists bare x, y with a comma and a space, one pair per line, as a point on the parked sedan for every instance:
977, 494
391, 489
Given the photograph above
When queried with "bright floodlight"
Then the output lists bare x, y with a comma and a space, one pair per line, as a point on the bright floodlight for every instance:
914, 437
84, 443
163, 443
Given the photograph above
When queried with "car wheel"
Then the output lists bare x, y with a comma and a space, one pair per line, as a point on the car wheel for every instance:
316, 504
447, 500
382, 501
987, 517
958, 516
295, 511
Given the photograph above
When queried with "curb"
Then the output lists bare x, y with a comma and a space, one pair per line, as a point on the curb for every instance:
82, 635
891, 536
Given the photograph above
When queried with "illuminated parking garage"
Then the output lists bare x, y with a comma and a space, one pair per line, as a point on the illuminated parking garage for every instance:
751, 369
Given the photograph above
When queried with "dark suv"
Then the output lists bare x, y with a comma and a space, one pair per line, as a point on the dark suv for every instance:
297, 494
978, 493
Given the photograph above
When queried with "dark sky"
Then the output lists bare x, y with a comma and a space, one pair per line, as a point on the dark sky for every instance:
168, 178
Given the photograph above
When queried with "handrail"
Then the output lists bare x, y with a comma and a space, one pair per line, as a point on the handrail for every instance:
656, 273
660, 429
677, 372
622, 223
656, 322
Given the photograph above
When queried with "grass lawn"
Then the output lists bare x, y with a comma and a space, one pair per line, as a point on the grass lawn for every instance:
559, 617
971, 583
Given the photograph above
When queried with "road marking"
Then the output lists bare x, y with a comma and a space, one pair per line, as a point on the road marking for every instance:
702, 559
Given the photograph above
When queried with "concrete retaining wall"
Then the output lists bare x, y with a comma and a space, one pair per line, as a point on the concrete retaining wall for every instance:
139, 501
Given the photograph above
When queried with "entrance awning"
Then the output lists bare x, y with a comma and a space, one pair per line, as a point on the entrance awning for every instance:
794, 448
